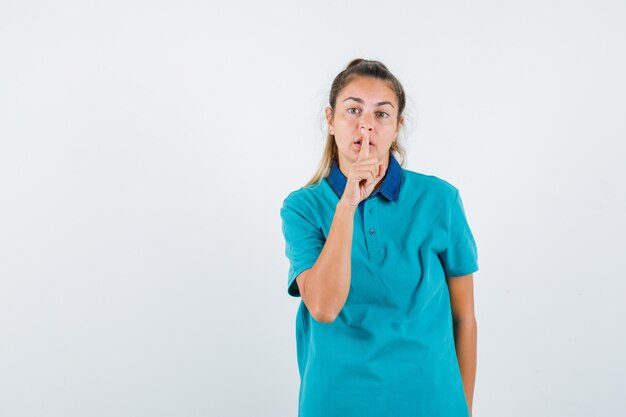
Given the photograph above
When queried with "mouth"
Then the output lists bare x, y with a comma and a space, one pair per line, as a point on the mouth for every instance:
358, 142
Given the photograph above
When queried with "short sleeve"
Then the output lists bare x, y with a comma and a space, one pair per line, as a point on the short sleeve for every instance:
303, 243
460, 256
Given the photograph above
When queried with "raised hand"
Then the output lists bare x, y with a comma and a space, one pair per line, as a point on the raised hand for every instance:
364, 174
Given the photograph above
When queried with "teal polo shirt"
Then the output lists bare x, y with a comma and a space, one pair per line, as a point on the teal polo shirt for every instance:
390, 351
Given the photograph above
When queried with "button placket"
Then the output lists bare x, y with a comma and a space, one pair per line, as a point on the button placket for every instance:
371, 230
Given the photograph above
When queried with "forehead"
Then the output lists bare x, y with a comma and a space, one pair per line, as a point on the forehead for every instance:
368, 89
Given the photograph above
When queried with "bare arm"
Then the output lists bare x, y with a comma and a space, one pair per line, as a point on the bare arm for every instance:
324, 287
465, 331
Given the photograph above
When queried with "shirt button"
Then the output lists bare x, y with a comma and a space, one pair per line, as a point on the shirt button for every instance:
372, 231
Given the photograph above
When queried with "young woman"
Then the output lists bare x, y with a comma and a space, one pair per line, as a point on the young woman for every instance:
383, 260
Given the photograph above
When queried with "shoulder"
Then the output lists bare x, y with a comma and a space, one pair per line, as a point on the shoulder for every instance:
430, 184
305, 194
308, 200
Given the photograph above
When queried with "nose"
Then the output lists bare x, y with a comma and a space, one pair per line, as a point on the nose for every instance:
366, 121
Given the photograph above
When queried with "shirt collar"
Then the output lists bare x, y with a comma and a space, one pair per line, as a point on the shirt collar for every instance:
390, 187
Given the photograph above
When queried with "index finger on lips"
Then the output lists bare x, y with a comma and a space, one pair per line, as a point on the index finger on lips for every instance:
365, 144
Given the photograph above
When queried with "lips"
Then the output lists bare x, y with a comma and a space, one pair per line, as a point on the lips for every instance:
358, 142
357, 146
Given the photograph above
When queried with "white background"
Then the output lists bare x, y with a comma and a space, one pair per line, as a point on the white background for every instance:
146, 149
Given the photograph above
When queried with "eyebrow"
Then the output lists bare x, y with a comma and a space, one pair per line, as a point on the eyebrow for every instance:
360, 100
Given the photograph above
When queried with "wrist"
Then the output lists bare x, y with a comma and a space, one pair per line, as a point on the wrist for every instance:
345, 206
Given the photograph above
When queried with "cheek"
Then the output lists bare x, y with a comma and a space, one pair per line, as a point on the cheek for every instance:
345, 122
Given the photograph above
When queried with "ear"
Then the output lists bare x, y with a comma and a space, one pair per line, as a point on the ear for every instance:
330, 120
400, 124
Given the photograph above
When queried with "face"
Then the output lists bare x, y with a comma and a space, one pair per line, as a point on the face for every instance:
367, 102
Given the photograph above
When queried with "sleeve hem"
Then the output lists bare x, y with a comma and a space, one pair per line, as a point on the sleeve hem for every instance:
462, 272
292, 285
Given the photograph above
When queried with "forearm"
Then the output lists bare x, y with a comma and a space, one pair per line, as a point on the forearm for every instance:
330, 282
465, 338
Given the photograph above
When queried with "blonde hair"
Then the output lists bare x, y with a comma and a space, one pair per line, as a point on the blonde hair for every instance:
367, 68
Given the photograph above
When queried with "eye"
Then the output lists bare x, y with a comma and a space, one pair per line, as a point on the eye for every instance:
352, 108
385, 114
